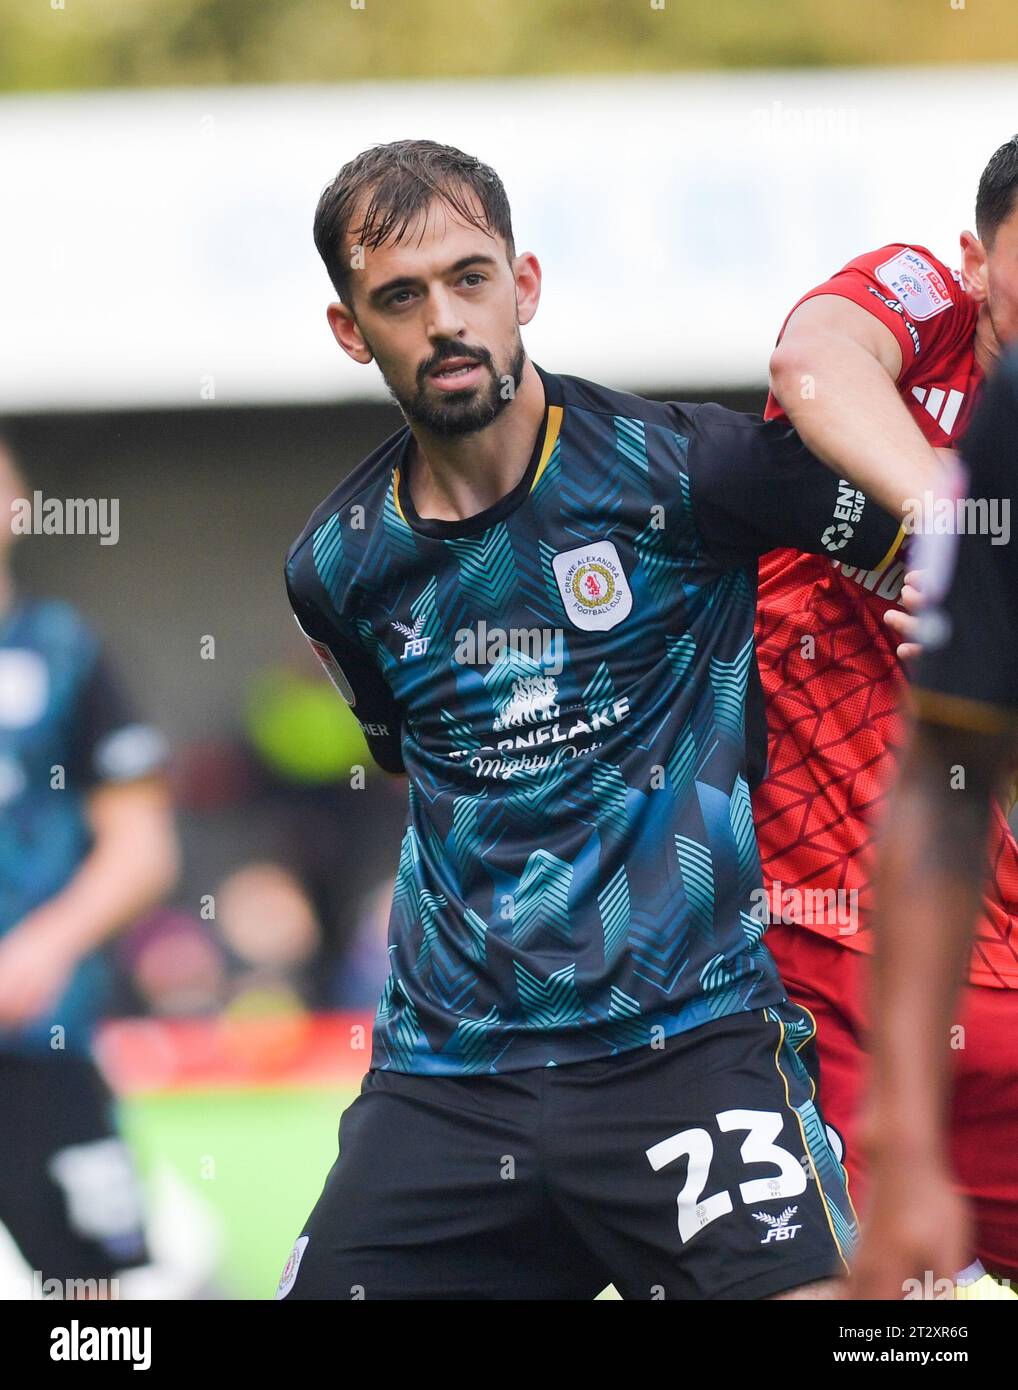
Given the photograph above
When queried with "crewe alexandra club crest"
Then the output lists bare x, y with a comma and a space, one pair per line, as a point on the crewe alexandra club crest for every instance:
593, 586
289, 1275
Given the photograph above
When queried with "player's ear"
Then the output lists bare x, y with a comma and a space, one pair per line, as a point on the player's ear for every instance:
346, 333
527, 273
973, 266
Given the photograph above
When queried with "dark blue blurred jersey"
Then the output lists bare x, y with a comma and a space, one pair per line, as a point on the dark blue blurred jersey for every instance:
568, 679
65, 728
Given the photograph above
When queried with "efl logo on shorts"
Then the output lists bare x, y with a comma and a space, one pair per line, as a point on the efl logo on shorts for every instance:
289, 1275
593, 586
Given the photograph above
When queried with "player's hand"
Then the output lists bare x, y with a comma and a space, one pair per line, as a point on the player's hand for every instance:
915, 1227
35, 967
905, 625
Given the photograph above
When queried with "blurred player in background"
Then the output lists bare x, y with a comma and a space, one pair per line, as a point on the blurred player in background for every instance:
87, 843
583, 1068
932, 868
877, 368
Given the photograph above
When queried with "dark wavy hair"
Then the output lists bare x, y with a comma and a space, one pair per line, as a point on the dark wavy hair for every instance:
395, 183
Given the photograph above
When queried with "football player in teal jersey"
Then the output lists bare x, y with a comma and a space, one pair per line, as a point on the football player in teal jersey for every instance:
87, 845
538, 598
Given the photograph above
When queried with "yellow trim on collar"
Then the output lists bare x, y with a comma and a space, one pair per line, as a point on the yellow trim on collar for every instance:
395, 496
550, 439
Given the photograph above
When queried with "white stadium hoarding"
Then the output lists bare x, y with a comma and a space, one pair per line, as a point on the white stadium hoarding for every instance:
156, 247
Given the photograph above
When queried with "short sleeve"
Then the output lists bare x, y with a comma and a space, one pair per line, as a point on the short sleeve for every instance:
968, 673
110, 742
904, 287
348, 665
755, 487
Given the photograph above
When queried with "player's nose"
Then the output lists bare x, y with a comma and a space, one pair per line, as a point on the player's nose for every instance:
445, 319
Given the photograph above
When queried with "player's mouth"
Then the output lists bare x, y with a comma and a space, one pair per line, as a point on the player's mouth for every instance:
457, 373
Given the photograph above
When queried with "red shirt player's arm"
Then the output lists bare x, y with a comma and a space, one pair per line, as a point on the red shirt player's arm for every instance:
902, 299
836, 370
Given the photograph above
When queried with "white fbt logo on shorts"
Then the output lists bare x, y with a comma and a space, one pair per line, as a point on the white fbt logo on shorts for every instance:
289, 1275
593, 585
778, 1226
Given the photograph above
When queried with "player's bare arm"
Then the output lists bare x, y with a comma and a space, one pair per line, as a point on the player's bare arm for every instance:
132, 865
932, 871
835, 372
935, 861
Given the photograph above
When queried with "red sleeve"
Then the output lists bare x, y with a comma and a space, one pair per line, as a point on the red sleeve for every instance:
906, 287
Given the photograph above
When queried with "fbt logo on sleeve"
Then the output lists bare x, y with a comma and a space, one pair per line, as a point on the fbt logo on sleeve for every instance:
593, 586
918, 285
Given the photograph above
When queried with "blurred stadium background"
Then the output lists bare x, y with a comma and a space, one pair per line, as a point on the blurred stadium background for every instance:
682, 172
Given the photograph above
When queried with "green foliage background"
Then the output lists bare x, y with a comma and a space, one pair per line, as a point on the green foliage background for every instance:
141, 43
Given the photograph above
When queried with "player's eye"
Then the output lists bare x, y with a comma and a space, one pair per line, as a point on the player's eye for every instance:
398, 298
472, 279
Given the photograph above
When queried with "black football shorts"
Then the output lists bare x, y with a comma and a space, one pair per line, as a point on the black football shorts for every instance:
69, 1193
700, 1170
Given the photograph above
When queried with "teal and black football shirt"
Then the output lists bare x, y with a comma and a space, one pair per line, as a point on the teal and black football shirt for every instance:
62, 709
568, 680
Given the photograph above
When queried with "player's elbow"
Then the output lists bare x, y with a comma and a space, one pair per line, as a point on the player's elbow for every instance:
134, 827
789, 371
157, 856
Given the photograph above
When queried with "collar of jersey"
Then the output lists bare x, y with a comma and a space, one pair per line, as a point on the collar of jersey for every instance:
547, 436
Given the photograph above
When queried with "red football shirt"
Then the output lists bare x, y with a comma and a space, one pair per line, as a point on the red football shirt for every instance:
833, 682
